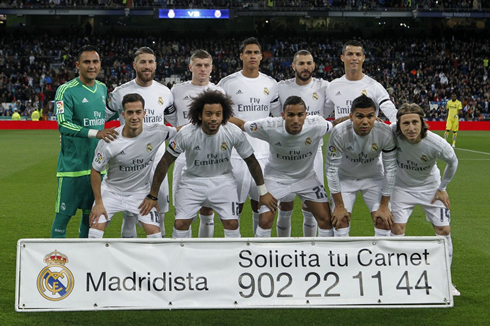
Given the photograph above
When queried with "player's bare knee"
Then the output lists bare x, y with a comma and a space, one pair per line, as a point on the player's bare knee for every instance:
206, 211
286, 206
266, 220
380, 224
398, 228
183, 225
230, 224
150, 228
442, 230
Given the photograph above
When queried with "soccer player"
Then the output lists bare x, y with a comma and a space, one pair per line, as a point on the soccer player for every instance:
80, 109
254, 96
342, 91
312, 92
159, 103
201, 65
453, 108
418, 180
129, 160
294, 140
208, 179
353, 164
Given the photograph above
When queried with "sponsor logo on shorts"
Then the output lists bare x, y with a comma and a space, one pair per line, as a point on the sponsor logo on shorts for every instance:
424, 158
266, 91
253, 127
374, 147
160, 100
224, 146
149, 148
60, 108
308, 141
315, 96
55, 282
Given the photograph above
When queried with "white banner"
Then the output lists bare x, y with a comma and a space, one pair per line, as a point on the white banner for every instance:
105, 274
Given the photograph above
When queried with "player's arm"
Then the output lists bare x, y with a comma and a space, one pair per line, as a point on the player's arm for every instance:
113, 107
449, 172
98, 209
385, 104
256, 171
390, 168
238, 122
161, 171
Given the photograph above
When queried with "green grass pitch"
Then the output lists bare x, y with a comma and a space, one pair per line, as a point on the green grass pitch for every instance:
27, 197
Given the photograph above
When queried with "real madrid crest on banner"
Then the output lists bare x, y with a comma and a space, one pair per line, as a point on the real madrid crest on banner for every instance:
55, 281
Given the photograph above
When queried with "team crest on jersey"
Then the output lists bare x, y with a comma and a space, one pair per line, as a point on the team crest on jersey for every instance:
98, 158
364, 92
315, 96
308, 141
149, 148
374, 147
60, 108
224, 146
266, 91
160, 100
253, 127
173, 144
55, 281
424, 158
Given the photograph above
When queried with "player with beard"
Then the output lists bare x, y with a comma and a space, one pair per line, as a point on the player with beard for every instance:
159, 102
312, 92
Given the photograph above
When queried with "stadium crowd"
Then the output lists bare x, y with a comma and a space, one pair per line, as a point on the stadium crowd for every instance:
417, 70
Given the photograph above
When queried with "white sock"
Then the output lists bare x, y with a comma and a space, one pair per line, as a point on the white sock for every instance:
343, 232
381, 232
180, 234
154, 236
261, 233
325, 233
128, 227
162, 224
206, 226
256, 218
449, 247
283, 225
397, 235
232, 233
94, 233
309, 224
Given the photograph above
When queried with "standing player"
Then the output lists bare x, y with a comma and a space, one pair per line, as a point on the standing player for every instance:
80, 107
208, 179
342, 91
453, 108
201, 65
353, 164
294, 140
159, 102
312, 92
129, 160
254, 96
418, 180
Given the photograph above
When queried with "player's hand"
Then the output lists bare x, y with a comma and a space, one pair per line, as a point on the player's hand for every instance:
107, 135
269, 201
147, 205
96, 212
442, 196
384, 213
339, 215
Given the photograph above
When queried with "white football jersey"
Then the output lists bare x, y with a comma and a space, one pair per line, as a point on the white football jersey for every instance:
350, 156
158, 101
341, 92
291, 157
129, 160
253, 98
209, 155
417, 164
313, 94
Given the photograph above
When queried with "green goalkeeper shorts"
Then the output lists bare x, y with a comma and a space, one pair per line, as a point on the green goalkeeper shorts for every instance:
74, 193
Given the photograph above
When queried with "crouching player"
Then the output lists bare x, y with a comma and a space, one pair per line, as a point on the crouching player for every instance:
129, 159
208, 179
418, 179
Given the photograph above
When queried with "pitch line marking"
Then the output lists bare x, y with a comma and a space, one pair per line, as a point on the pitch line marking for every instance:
472, 151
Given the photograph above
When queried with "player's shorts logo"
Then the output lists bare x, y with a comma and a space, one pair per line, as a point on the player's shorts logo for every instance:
308, 141
253, 127
266, 91
60, 109
173, 144
149, 148
374, 147
315, 96
63, 206
332, 149
98, 158
160, 100
224, 146
55, 282
424, 158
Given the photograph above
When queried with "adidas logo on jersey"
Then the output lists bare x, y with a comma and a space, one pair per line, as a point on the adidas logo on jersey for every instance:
278, 144
239, 92
186, 98
350, 148
122, 153
84, 100
197, 148
338, 93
